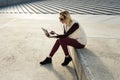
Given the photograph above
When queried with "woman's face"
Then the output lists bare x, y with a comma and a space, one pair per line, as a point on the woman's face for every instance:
62, 19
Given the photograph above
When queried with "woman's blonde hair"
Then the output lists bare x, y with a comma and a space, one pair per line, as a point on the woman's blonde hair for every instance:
67, 17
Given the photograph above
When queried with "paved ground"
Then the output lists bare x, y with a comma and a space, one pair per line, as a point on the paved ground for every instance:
94, 7
23, 44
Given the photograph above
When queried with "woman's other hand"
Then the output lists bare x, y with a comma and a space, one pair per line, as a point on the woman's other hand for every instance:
52, 32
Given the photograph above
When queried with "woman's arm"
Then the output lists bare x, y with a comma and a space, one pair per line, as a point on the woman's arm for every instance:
70, 31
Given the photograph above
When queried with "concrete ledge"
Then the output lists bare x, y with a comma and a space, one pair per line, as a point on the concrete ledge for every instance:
98, 60
81, 66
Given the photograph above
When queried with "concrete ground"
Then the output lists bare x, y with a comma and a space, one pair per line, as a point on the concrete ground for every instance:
23, 45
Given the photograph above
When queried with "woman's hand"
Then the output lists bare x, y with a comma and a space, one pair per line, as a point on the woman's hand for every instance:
52, 32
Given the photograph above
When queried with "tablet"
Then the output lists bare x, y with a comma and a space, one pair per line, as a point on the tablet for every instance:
45, 31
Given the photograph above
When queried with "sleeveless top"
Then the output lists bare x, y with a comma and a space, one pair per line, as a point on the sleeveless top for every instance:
79, 34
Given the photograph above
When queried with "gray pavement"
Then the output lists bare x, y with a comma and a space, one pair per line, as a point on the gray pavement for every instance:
23, 45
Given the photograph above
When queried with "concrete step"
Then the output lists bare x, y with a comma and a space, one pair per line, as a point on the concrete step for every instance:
74, 7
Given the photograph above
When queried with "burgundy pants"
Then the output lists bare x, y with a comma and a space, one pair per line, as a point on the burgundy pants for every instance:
64, 42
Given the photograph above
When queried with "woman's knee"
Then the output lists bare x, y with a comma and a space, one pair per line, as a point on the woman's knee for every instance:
62, 39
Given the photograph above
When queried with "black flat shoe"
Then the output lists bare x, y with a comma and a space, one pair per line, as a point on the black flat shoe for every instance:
46, 61
66, 61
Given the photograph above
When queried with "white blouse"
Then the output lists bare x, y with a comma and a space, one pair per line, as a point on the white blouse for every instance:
79, 34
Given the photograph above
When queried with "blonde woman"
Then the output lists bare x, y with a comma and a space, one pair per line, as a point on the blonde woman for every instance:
73, 36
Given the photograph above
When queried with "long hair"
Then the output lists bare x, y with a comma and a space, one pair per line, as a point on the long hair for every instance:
67, 17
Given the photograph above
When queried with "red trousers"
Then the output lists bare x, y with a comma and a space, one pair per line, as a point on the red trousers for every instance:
64, 42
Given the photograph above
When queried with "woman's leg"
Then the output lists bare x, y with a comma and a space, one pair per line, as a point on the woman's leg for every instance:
55, 48
74, 43
64, 42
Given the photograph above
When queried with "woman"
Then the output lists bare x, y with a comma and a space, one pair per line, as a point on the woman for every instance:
73, 36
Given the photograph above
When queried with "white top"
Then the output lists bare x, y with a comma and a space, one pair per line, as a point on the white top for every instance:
79, 34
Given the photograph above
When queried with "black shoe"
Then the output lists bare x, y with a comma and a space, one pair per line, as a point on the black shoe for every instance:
46, 61
66, 61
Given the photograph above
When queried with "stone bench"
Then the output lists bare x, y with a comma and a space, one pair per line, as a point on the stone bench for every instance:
99, 60
82, 70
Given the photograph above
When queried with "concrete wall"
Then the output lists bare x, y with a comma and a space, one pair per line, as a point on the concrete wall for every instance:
77, 62
81, 67
11, 2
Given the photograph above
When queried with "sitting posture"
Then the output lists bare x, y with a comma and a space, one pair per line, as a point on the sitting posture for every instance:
74, 36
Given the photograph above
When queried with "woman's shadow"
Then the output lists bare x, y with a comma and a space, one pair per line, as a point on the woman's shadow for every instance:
58, 74
95, 64
51, 68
